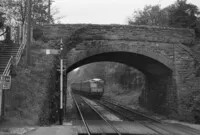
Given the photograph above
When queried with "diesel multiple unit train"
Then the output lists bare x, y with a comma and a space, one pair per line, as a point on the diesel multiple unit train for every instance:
93, 88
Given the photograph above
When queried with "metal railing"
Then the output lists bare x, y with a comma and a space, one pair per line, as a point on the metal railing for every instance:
19, 53
22, 46
16, 60
7, 69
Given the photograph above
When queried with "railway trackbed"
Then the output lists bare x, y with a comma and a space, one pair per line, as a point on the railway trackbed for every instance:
126, 112
86, 118
95, 120
155, 125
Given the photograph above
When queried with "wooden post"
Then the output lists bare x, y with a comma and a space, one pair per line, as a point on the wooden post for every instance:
61, 83
18, 35
8, 34
1, 102
28, 56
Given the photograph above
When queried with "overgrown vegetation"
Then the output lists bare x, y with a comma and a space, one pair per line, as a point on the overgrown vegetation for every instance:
29, 101
180, 14
16, 11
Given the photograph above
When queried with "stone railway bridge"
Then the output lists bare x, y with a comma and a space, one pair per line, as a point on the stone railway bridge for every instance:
162, 54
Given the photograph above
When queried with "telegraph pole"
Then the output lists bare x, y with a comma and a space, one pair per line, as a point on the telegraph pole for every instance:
28, 44
61, 84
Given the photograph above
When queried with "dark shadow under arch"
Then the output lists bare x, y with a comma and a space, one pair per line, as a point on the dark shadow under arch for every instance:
145, 64
160, 84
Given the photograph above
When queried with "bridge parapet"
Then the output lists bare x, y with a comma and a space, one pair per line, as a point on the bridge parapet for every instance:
120, 32
58, 31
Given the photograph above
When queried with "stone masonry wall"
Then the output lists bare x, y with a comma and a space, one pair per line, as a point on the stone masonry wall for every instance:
163, 52
187, 83
58, 31
136, 33
119, 32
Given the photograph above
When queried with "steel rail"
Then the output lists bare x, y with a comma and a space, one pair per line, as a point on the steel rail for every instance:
192, 131
128, 109
102, 117
79, 110
142, 124
107, 106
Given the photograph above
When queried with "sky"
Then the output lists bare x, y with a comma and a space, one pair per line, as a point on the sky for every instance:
103, 11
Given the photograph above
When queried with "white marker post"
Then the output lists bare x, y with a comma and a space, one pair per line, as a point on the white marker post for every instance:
61, 83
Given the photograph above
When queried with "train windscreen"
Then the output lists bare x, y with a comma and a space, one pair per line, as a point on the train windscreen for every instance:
96, 87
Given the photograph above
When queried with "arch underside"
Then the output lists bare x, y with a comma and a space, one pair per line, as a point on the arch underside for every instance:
146, 57
159, 80
140, 62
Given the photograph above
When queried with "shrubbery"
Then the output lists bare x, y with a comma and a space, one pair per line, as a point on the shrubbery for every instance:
28, 101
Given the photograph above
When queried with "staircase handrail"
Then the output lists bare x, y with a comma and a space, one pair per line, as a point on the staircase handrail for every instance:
19, 53
6, 71
22, 46
16, 58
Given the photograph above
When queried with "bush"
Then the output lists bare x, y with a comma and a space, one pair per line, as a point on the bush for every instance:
37, 33
29, 98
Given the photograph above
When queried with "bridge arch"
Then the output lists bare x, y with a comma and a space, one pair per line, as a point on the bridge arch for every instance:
131, 48
158, 69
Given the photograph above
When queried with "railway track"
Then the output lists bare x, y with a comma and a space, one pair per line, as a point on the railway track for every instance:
157, 126
126, 112
130, 114
132, 122
79, 103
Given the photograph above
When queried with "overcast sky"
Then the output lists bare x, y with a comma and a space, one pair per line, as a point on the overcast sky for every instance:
104, 11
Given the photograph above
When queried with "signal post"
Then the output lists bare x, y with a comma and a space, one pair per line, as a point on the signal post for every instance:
61, 69
61, 85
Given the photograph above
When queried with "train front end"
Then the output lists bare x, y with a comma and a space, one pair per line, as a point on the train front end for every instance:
97, 88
